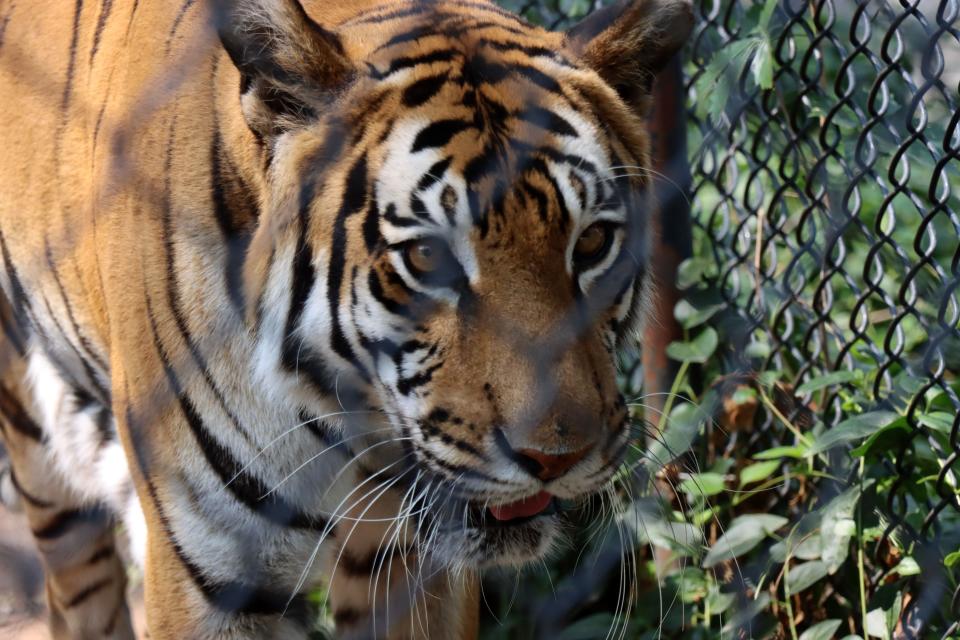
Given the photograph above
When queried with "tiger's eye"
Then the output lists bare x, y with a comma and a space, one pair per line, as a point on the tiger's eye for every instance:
427, 255
591, 243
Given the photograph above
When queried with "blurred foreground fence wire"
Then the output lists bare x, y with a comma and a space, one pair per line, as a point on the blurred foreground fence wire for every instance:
823, 150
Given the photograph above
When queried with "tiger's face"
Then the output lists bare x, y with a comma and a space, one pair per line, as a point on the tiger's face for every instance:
467, 232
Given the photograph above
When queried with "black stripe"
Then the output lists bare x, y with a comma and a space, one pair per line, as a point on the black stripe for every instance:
88, 592
235, 239
434, 174
473, 27
491, 8
173, 292
371, 225
105, 426
133, 13
481, 165
376, 290
31, 499
531, 51
408, 62
105, 8
423, 90
16, 415
438, 134
85, 345
119, 608
435, 431
104, 552
232, 597
347, 617
546, 119
354, 199
62, 523
71, 62
18, 298
12, 330
303, 277
6, 21
390, 215
414, 34
62, 370
541, 199
245, 487
99, 122
458, 471
364, 565
229, 597
406, 385
396, 14
181, 14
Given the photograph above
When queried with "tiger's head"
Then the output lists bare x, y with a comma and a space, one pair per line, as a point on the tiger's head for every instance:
455, 236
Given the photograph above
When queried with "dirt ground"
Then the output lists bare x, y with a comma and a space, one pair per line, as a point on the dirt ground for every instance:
22, 608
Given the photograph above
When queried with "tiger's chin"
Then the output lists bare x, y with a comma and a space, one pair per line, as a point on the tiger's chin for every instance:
479, 541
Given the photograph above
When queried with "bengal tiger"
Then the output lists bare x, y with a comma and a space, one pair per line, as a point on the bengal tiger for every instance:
315, 294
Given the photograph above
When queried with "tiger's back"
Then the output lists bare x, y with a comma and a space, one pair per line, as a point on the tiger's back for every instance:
220, 224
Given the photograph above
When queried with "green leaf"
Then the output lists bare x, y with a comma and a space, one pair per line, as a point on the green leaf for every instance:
777, 453
646, 518
758, 472
757, 349
876, 624
697, 350
595, 626
762, 65
743, 534
822, 630
888, 438
951, 559
763, 23
682, 428
828, 380
907, 567
690, 316
801, 576
743, 395
938, 421
837, 528
693, 271
743, 615
719, 601
794, 546
712, 89
703, 484
852, 429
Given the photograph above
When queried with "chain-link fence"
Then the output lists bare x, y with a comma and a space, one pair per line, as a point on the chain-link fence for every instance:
826, 195
821, 315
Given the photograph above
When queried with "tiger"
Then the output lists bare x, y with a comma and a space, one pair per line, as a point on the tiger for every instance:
304, 295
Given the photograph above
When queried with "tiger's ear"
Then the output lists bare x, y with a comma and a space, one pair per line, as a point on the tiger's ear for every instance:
290, 65
628, 42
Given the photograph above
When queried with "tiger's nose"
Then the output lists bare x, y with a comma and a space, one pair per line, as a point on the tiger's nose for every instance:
538, 463
550, 466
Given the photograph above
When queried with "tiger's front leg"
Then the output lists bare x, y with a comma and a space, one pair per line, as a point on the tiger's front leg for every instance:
225, 557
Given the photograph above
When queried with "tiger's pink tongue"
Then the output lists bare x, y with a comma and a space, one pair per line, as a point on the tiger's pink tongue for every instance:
522, 508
